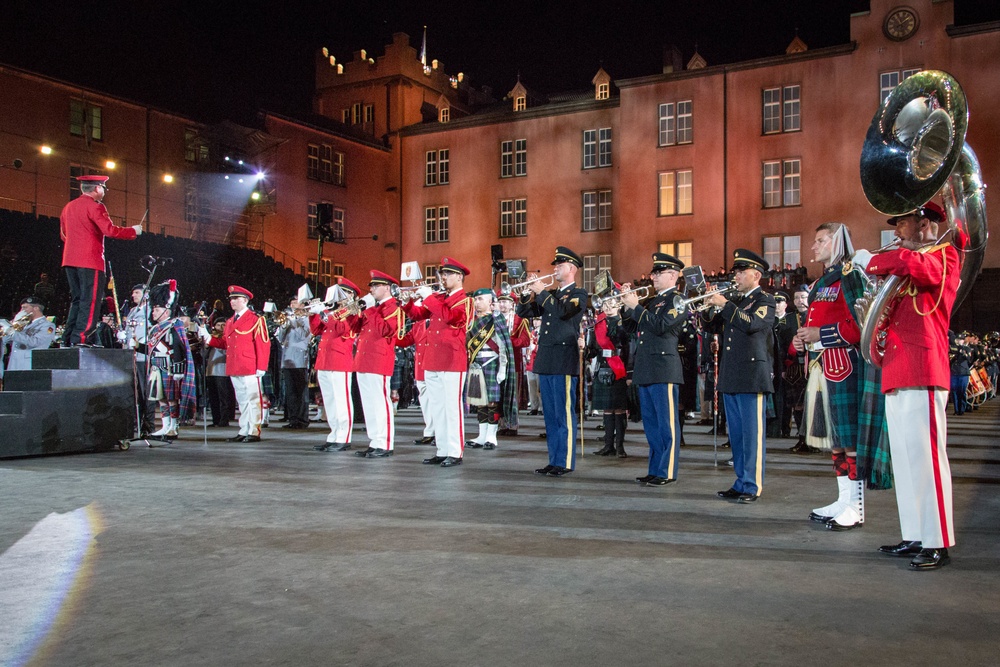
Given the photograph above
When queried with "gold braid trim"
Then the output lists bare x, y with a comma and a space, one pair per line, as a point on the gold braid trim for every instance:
911, 290
259, 327
469, 307
400, 318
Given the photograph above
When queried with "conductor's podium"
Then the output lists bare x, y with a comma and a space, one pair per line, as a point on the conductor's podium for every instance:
73, 400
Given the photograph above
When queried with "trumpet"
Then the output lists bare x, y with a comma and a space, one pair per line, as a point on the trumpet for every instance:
507, 289
405, 294
681, 304
22, 320
347, 308
598, 301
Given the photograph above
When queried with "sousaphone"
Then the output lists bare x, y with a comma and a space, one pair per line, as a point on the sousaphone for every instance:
915, 151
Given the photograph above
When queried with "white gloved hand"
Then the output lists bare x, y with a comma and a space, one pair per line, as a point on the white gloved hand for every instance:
260, 374
317, 308
862, 258
368, 300
121, 336
179, 377
203, 333
138, 229
424, 291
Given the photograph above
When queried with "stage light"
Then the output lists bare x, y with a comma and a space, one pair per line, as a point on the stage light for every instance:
241, 180
226, 177
46, 150
226, 159
110, 164
168, 178
260, 176
255, 196
240, 162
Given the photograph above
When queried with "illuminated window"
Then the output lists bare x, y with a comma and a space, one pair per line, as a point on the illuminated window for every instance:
682, 250
781, 110
85, 120
593, 266
782, 250
437, 169
520, 103
675, 192
603, 91
444, 115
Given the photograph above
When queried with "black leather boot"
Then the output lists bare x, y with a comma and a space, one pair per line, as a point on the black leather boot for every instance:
609, 436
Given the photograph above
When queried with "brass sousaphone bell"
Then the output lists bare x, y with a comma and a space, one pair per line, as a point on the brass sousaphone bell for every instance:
915, 150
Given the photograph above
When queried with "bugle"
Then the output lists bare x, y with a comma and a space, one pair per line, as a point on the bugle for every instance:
681, 304
598, 301
507, 289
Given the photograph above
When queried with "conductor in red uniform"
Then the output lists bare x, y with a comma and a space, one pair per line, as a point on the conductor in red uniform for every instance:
915, 380
248, 349
83, 224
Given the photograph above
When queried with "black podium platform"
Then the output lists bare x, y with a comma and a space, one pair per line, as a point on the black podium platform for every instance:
73, 400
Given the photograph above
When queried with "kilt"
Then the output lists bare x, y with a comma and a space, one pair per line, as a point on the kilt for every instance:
491, 366
612, 396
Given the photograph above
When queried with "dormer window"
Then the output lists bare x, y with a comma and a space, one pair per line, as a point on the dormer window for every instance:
603, 91
520, 103
444, 114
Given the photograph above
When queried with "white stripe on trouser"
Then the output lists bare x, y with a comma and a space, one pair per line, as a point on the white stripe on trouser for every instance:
424, 411
337, 402
377, 403
921, 474
444, 403
247, 388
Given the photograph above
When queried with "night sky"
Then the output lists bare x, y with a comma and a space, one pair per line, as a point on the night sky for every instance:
217, 59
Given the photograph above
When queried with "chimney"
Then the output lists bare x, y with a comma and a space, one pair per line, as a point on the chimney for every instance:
673, 60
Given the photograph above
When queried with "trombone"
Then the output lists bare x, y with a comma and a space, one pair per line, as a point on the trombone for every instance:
614, 297
507, 289
681, 304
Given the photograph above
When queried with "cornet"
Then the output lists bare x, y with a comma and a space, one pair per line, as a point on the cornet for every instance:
507, 289
681, 304
615, 296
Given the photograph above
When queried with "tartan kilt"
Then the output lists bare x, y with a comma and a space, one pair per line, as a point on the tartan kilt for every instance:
844, 406
490, 371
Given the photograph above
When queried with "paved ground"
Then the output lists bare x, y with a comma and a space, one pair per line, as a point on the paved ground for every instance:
271, 553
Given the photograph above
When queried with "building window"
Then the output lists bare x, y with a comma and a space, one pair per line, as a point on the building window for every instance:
513, 217
593, 266
195, 149
521, 157
325, 271
682, 250
75, 171
782, 183
436, 224
312, 218
782, 251
369, 114
676, 125
430, 271
312, 162
324, 164
345, 116
85, 120
603, 91
356, 110
338, 270
781, 110
437, 170
597, 212
676, 192
444, 115
886, 237
520, 103
889, 80
597, 148
338, 225
506, 159
311, 266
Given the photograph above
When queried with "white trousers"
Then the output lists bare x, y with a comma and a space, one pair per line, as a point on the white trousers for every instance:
337, 403
444, 403
249, 398
376, 399
425, 409
921, 474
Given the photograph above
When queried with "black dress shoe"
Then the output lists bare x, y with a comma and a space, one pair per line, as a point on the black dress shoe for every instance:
450, 461
489, 445
427, 440
341, 447
544, 471
373, 453
324, 446
839, 528
236, 438
746, 498
660, 481
819, 518
364, 452
251, 438
533, 413
559, 472
473, 445
643, 480
930, 559
434, 460
902, 549
729, 494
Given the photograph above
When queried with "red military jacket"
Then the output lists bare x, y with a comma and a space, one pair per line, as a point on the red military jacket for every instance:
83, 225
246, 343
838, 331
377, 328
520, 339
417, 337
916, 345
449, 320
336, 343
